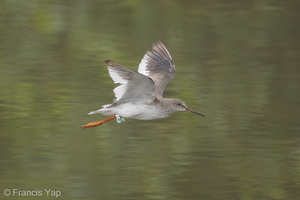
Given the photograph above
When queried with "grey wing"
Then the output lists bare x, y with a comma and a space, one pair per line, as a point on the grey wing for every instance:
135, 87
158, 65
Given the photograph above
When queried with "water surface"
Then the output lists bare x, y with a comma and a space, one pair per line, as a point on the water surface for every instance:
237, 63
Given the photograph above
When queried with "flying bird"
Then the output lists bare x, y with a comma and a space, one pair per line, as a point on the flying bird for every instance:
140, 95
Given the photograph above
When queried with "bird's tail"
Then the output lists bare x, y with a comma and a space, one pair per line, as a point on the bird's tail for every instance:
94, 112
103, 109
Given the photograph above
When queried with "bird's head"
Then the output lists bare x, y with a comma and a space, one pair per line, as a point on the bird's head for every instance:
179, 105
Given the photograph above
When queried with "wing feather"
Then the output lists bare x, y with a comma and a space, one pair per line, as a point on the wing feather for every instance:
135, 87
158, 65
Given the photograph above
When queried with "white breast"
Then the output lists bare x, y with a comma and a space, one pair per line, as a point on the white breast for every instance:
140, 111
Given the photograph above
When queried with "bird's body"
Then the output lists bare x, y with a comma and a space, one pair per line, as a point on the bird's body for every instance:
140, 95
143, 111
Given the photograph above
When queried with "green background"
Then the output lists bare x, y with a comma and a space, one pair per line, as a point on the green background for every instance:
237, 62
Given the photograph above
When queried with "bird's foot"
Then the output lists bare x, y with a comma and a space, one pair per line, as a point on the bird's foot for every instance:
95, 124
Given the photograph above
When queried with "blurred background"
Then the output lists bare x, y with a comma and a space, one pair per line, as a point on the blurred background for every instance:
237, 62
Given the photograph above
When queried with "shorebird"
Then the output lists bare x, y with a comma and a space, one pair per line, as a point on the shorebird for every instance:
140, 95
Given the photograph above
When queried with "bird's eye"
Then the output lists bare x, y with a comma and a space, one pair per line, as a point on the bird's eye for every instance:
179, 104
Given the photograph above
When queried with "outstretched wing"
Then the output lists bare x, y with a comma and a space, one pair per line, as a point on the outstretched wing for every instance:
158, 65
135, 87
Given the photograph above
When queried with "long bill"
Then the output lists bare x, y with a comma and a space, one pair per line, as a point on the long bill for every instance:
190, 110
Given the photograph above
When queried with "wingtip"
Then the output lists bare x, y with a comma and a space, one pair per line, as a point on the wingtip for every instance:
156, 43
110, 62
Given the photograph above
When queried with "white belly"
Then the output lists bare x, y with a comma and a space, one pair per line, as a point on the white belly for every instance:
139, 111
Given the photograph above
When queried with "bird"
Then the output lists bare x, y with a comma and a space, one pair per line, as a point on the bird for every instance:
140, 94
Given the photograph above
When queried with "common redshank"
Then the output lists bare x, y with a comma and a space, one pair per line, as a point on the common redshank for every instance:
140, 95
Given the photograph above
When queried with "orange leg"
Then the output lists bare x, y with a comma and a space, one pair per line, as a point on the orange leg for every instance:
94, 124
